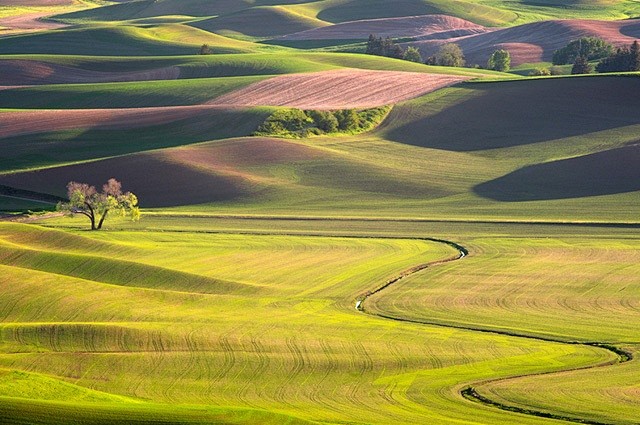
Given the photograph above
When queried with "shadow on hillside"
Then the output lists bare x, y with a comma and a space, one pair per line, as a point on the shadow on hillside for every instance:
157, 183
604, 173
517, 113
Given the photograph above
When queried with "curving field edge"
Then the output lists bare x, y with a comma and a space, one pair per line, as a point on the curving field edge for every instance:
469, 392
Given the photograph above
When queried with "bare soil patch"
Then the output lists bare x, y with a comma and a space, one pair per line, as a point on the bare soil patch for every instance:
29, 22
338, 89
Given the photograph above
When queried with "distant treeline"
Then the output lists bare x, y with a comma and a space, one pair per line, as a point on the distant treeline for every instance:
298, 123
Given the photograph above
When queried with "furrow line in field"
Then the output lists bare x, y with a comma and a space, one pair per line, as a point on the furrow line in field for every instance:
469, 392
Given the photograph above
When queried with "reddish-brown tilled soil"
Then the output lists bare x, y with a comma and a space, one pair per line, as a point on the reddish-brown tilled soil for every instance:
27, 22
340, 89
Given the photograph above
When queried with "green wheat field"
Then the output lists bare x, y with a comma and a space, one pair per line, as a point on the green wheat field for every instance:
472, 260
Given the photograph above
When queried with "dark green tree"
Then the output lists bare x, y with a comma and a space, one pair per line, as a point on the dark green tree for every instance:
348, 119
581, 66
592, 48
412, 54
205, 49
500, 60
625, 59
324, 120
374, 46
449, 54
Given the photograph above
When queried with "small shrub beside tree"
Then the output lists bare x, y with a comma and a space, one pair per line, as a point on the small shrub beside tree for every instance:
540, 72
87, 201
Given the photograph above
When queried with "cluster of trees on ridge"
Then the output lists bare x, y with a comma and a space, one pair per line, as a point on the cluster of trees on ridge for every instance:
379, 46
299, 123
578, 52
449, 54
582, 52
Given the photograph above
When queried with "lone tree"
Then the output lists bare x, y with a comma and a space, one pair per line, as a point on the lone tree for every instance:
500, 60
87, 201
205, 49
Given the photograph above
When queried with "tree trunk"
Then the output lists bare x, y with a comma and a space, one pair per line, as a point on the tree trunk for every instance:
102, 219
92, 215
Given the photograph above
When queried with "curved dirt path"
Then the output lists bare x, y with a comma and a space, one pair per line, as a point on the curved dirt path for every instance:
469, 392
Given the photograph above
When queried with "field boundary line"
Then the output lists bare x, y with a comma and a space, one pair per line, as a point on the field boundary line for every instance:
469, 392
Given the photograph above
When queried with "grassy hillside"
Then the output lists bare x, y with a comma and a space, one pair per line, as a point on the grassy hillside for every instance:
123, 95
268, 21
161, 40
274, 347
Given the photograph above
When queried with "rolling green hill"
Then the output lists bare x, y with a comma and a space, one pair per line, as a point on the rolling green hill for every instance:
167, 39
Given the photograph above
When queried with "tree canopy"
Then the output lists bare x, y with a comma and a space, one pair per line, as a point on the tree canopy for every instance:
384, 47
86, 200
591, 48
625, 59
500, 60
449, 54
412, 54
581, 66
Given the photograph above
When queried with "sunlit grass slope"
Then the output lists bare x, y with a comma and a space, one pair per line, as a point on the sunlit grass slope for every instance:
294, 347
57, 69
123, 95
269, 21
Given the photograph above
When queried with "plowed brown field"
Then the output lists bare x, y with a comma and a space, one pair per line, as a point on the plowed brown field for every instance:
27, 23
348, 88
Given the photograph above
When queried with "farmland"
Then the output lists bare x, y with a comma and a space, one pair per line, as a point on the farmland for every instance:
471, 259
